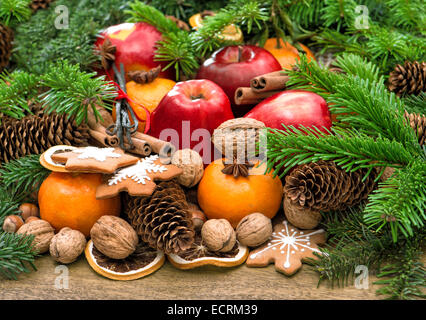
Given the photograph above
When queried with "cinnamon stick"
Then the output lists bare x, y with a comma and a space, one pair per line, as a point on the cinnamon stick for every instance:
104, 139
272, 81
163, 148
140, 147
245, 95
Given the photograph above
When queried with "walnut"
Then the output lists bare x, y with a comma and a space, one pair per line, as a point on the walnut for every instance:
300, 217
192, 165
114, 237
67, 245
218, 235
198, 217
12, 223
254, 229
42, 232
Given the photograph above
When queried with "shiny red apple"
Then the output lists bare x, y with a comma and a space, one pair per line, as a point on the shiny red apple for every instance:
293, 108
189, 113
135, 46
234, 66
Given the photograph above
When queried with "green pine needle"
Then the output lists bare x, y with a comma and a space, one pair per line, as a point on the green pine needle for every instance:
74, 92
14, 9
16, 253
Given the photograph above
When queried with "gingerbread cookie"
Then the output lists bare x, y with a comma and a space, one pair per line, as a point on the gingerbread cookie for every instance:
138, 179
287, 247
94, 159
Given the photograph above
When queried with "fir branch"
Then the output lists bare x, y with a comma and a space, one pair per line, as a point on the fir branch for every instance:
73, 92
8, 206
176, 49
400, 202
359, 103
14, 9
140, 12
356, 65
16, 251
404, 278
16, 89
22, 177
350, 149
340, 13
415, 104
409, 15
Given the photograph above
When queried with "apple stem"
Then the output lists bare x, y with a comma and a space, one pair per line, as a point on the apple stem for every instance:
240, 53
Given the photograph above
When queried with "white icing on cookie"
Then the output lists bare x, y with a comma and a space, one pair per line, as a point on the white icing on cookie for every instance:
99, 154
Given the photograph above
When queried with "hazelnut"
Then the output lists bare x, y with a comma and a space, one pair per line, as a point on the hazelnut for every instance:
42, 232
67, 245
114, 237
218, 235
192, 165
254, 229
300, 217
28, 210
12, 223
198, 216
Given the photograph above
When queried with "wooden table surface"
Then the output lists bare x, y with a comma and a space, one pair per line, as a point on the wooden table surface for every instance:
170, 283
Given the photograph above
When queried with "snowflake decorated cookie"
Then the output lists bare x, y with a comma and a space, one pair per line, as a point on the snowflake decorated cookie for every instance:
287, 248
93, 159
138, 179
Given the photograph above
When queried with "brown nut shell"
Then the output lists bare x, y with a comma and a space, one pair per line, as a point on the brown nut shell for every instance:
218, 235
42, 232
114, 237
300, 217
192, 165
254, 229
12, 223
29, 210
67, 245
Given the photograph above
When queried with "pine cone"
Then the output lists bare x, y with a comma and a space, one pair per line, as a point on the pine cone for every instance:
35, 134
163, 220
323, 186
408, 79
418, 123
6, 38
40, 4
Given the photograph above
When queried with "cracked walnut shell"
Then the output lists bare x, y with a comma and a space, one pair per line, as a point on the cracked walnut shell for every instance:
218, 235
114, 237
254, 229
67, 245
42, 232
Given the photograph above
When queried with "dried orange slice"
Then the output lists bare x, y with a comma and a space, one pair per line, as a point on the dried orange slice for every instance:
199, 255
229, 33
46, 158
141, 263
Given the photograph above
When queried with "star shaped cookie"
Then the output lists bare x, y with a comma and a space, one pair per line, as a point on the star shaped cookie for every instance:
94, 159
138, 179
287, 248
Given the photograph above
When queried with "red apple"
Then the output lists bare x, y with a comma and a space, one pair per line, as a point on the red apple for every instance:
191, 105
135, 46
234, 66
293, 108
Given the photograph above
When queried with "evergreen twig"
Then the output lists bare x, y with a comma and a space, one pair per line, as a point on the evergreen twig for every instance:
14, 9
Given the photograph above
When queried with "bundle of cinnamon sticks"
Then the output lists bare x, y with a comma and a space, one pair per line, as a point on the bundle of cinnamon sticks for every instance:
143, 144
261, 87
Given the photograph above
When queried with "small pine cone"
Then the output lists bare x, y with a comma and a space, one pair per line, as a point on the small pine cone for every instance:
408, 79
179, 23
34, 135
6, 38
163, 220
40, 4
323, 186
418, 123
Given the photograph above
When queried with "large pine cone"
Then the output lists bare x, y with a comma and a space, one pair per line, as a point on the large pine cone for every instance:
408, 79
163, 220
323, 186
6, 38
40, 4
418, 123
35, 134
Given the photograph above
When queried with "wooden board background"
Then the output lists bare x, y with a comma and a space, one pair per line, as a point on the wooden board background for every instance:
170, 283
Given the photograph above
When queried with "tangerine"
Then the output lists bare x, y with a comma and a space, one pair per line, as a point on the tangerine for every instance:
69, 200
223, 196
285, 53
